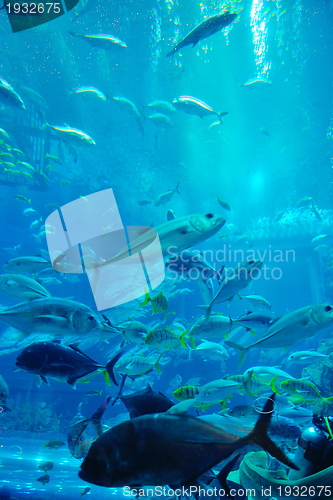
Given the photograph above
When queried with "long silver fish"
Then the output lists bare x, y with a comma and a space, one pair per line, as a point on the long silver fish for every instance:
102, 41
297, 325
234, 281
207, 28
9, 96
193, 106
52, 315
22, 287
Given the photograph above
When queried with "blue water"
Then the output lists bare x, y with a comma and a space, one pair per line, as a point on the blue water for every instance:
273, 149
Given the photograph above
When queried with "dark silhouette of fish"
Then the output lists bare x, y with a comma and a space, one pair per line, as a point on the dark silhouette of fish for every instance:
145, 402
207, 28
169, 448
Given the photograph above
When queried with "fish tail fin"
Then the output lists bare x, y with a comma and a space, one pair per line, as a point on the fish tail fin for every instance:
147, 299
97, 416
242, 350
223, 474
260, 437
221, 115
273, 385
120, 392
110, 367
44, 445
158, 368
172, 52
208, 310
182, 339
72, 33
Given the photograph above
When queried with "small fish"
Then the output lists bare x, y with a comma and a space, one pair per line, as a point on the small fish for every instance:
22, 198
165, 197
25, 264
70, 134
44, 479
162, 337
161, 120
54, 444
162, 106
144, 202
319, 238
205, 29
264, 131
4, 133
304, 202
159, 303
65, 183
307, 390
193, 106
86, 90
137, 365
186, 392
94, 393
258, 82
223, 204
306, 356
46, 466
85, 491
102, 41
53, 158
256, 300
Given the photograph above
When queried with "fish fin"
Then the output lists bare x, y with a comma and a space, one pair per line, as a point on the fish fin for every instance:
44, 379
106, 377
95, 419
221, 114
158, 368
242, 350
60, 321
260, 437
252, 331
147, 299
110, 366
181, 407
182, 339
72, 382
193, 343
272, 385
223, 474
75, 347
177, 188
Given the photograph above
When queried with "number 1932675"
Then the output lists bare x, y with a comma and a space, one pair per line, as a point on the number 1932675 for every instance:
33, 8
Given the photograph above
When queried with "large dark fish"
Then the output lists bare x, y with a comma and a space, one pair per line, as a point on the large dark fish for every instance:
51, 359
146, 402
207, 28
165, 449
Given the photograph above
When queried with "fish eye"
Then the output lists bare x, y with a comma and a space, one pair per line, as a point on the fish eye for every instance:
209, 216
251, 261
91, 318
184, 231
328, 308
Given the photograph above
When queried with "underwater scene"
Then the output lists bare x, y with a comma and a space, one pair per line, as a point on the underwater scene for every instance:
166, 255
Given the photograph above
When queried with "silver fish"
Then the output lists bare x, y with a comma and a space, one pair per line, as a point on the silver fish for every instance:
52, 315
297, 325
165, 197
25, 264
205, 29
22, 287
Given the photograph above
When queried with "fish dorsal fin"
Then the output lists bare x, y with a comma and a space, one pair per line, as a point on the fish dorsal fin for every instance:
75, 347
